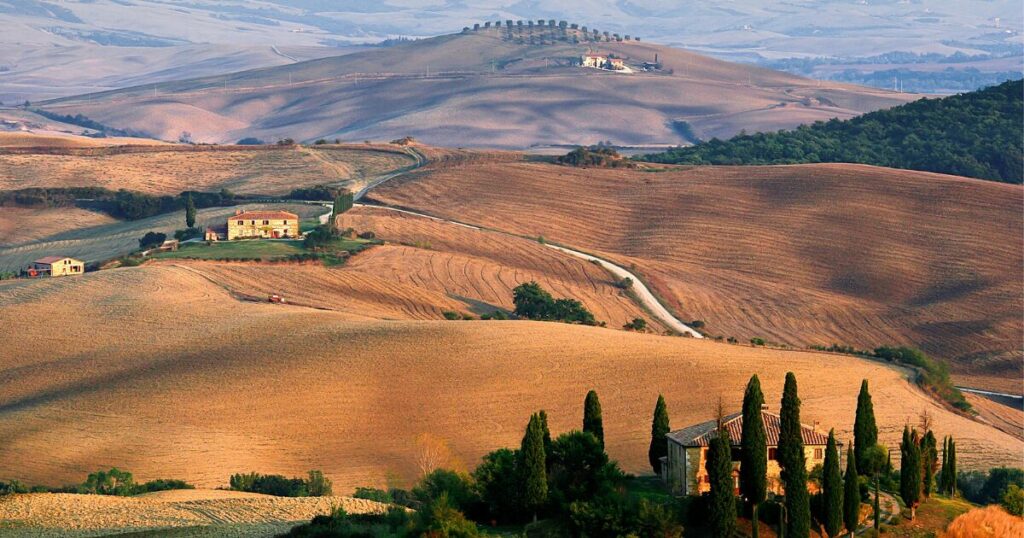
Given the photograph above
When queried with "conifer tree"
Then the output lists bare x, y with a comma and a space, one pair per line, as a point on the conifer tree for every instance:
543, 415
941, 482
533, 468
851, 494
952, 466
910, 470
754, 449
929, 462
865, 430
832, 488
190, 212
722, 503
659, 429
592, 416
793, 462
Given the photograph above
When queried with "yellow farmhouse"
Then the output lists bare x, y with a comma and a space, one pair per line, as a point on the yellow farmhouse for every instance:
56, 266
263, 225
684, 467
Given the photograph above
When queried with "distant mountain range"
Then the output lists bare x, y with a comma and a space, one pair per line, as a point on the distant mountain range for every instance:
513, 87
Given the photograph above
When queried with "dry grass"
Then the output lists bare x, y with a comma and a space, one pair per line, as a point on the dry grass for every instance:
1003, 415
24, 225
989, 522
533, 97
173, 169
211, 386
106, 241
799, 255
42, 513
54, 139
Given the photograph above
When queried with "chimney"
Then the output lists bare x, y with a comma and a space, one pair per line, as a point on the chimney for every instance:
238, 211
815, 427
764, 407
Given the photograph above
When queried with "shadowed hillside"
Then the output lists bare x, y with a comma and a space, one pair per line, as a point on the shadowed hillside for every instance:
498, 88
801, 255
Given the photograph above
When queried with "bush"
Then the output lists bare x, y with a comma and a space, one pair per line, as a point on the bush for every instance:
625, 284
533, 302
757, 341
496, 315
1013, 500
991, 487
450, 315
934, 374
278, 485
367, 235
188, 233
638, 324
458, 489
373, 494
152, 239
595, 156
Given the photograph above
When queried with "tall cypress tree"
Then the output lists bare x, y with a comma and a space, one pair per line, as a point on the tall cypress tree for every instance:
851, 494
592, 416
952, 466
865, 430
543, 416
190, 212
722, 504
793, 462
754, 449
910, 470
941, 481
533, 468
832, 487
659, 429
929, 462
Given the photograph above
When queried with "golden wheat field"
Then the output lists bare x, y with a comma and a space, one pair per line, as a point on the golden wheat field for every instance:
52, 139
23, 225
220, 513
173, 169
800, 255
159, 370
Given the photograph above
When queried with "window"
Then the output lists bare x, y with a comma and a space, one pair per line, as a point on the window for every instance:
286, 222
817, 453
772, 454
241, 222
254, 223
266, 222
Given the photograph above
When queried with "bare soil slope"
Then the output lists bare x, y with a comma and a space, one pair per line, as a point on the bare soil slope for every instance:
273, 170
212, 386
800, 255
481, 89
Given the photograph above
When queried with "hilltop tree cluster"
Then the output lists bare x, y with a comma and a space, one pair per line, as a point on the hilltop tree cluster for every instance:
549, 31
533, 302
977, 134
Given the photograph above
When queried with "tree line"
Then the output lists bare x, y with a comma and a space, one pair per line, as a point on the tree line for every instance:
977, 134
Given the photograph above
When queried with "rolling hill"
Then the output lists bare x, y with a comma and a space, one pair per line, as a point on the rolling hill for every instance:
494, 88
213, 386
799, 255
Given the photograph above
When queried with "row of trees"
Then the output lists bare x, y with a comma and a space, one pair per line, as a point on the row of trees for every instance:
314, 485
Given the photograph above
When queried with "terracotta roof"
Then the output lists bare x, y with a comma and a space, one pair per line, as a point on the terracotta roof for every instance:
264, 215
701, 434
50, 259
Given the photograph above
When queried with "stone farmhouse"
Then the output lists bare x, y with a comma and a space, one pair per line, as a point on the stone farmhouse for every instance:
263, 225
602, 62
55, 266
684, 467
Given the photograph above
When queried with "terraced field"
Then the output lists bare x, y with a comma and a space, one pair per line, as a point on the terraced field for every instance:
106, 241
800, 255
173, 169
210, 385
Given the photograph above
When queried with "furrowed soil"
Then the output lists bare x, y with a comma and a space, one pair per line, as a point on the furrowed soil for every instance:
159, 370
169, 170
797, 255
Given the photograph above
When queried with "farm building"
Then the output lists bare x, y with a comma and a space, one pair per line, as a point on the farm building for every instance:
263, 225
684, 467
212, 234
602, 62
55, 266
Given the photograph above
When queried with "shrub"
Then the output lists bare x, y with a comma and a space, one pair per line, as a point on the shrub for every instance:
188, 233
1013, 500
451, 315
638, 324
496, 315
533, 302
374, 494
457, 488
367, 235
278, 485
625, 284
757, 341
595, 156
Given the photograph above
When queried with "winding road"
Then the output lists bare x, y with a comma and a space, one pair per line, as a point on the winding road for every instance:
640, 292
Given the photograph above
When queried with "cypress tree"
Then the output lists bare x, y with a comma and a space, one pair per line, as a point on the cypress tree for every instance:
910, 470
722, 503
851, 494
876, 509
952, 466
543, 416
929, 461
793, 462
659, 429
865, 430
533, 467
832, 488
941, 482
754, 449
190, 212
592, 416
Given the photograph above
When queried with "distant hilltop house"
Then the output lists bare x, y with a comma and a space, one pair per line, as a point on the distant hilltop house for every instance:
263, 225
684, 467
55, 266
603, 62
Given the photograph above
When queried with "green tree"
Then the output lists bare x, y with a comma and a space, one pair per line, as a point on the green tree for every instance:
865, 430
754, 448
910, 470
793, 463
318, 485
722, 502
533, 468
1013, 500
952, 466
832, 488
659, 430
498, 484
342, 203
929, 462
190, 212
443, 520
851, 494
579, 469
543, 415
592, 422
